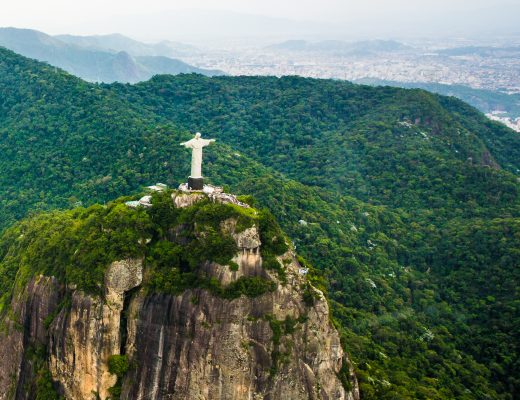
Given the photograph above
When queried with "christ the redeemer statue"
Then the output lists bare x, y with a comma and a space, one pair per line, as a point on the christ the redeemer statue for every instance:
195, 181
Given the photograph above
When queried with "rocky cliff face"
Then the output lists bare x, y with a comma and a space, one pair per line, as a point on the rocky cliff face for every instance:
195, 345
82, 338
22, 332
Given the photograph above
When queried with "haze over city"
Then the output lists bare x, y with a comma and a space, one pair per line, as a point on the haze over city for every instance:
201, 20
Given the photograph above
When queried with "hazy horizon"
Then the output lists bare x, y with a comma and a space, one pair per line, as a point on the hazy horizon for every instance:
201, 21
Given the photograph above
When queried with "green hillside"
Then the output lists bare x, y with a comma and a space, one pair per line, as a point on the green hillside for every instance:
383, 145
485, 100
409, 201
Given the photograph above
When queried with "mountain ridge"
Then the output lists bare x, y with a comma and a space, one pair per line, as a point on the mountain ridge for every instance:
95, 64
486, 101
116, 42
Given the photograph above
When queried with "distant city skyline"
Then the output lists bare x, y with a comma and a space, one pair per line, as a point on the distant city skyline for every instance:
202, 20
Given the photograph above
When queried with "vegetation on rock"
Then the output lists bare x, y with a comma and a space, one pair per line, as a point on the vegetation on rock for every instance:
77, 246
44, 388
117, 365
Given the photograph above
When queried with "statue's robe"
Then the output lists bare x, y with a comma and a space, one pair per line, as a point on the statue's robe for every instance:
196, 144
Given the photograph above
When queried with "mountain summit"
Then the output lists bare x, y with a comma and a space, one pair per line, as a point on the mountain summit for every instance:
194, 297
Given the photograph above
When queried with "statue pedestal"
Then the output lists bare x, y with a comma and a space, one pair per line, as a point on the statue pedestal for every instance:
195, 183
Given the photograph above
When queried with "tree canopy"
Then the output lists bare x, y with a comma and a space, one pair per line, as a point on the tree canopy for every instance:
409, 200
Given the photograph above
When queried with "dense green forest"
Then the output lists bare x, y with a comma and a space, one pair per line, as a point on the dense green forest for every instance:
485, 100
408, 202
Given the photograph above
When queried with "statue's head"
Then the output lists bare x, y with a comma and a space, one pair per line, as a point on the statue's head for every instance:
197, 135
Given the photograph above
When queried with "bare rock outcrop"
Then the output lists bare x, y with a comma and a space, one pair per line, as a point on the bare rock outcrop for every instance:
83, 338
23, 331
182, 199
198, 346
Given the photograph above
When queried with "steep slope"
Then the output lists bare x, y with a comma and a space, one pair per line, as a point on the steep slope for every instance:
203, 301
424, 170
92, 63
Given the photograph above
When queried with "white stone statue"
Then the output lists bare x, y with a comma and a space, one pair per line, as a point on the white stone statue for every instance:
196, 144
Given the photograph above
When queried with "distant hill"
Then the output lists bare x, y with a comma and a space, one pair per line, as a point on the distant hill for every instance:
485, 100
117, 42
95, 63
338, 46
482, 51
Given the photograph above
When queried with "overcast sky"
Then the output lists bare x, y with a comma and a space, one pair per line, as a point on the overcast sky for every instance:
173, 19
